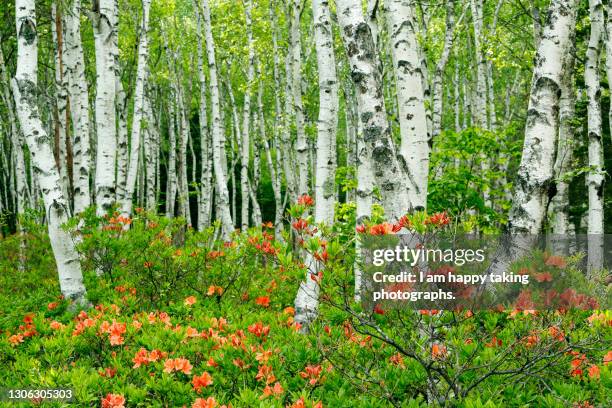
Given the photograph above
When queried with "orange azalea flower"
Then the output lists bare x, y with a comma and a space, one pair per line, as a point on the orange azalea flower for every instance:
212, 363
264, 356
209, 402
141, 358
263, 301
607, 358
594, 371
55, 325
543, 277
52, 305
201, 381
555, 333
163, 316
438, 351
189, 301
277, 389
306, 200
259, 330
177, 364
15, 339
557, 261
156, 355
300, 224
137, 325
108, 372
212, 289
113, 401
495, 342
382, 229
397, 360
289, 310
312, 373
265, 373
115, 333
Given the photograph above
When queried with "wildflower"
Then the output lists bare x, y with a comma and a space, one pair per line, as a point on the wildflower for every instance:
212, 363
438, 351
55, 325
108, 372
557, 261
300, 224
209, 402
306, 200
543, 277
607, 358
594, 371
259, 330
312, 373
360, 229
15, 339
177, 364
113, 401
263, 301
381, 229
52, 305
201, 381
397, 360
277, 389
190, 301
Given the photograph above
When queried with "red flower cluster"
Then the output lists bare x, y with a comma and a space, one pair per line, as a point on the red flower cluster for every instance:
113, 401
143, 357
305, 200
259, 330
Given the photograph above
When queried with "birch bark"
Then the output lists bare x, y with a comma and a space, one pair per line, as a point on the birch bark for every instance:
25, 92
139, 110
218, 148
411, 99
104, 17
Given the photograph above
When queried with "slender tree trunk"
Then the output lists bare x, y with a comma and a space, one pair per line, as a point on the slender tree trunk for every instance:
79, 108
139, 110
565, 149
218, 148
171, 171
298, 107
307, 298
25, 93
122, 141
439, 70
151, 136
596, 175
206, 187
104, 18
411, 100
245, 145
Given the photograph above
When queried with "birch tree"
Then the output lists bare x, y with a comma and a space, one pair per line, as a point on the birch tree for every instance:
79, 108
104, 18
414, 146
139, 110
206, 187
595, 176
24, 88
218, 148
307, 298
301, 145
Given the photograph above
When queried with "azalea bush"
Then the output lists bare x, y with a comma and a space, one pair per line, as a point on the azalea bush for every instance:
182, 318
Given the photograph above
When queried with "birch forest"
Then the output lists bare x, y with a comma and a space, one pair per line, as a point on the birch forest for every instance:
187, 189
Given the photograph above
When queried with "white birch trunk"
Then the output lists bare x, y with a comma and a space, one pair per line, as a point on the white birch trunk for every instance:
218, 148
439, 70
25, 93
139, 110
105, 33
206, 187
307, 298
411, 100
79, 108
171, 170
536, 170
596, 175
301, 145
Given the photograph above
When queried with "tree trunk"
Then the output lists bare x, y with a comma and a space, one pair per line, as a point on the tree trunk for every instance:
105, 33
218, 148
439, 71
25, 93
79, 108
307, 299
139, 110
411, 100
595, 176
